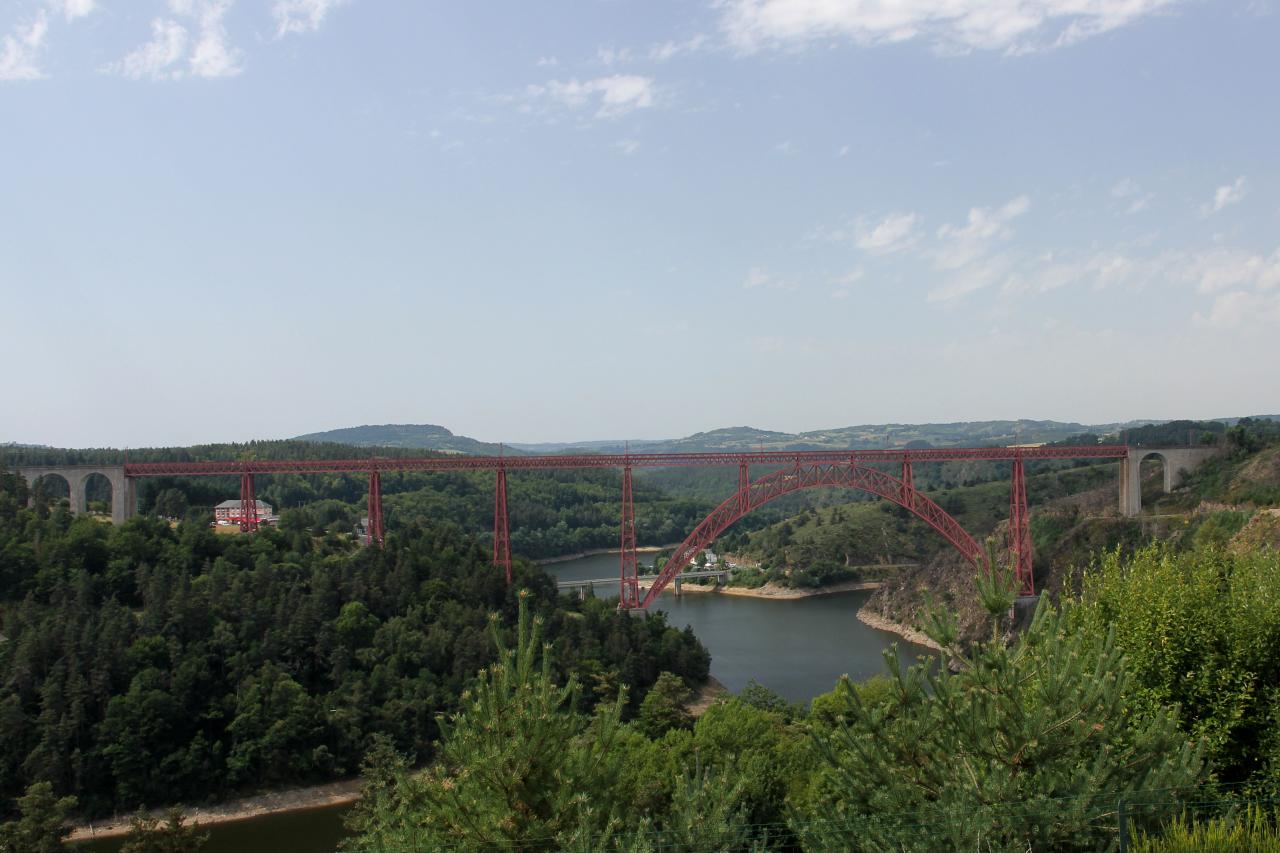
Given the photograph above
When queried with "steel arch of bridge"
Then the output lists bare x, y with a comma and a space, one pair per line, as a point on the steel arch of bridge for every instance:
751, 495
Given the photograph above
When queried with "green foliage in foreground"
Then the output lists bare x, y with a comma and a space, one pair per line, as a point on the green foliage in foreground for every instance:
38, 827
149, 834
1201, 632
1029, 746
519, 769
1252, 831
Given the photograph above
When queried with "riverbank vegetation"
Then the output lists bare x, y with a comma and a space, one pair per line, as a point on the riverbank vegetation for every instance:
1060, 739
148, 663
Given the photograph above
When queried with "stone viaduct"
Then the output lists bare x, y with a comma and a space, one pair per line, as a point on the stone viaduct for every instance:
124, 490
1177, 461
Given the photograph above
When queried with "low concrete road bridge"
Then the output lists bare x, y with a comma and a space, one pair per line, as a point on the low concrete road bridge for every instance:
586, 586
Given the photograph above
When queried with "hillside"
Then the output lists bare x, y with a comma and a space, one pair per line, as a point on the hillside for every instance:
745, 438
425, 436
1228, 503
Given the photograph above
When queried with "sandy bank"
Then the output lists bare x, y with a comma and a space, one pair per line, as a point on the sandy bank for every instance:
596, 552
274, 802
777, 593
706, 696
911, 635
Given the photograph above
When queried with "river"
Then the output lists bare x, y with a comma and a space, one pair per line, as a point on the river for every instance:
795, 647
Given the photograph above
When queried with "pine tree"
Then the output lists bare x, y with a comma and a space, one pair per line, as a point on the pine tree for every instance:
1029, 746
172, 835
39, 827
517, 769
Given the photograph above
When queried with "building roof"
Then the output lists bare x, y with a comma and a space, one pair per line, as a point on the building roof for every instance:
235, 504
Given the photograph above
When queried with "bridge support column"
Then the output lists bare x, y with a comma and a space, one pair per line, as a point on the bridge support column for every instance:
248, 504
1131, 486
629, 589
677, 582
124, 498
76, 494
375, 509
744, 488
1020, 552
501, 527
908, 481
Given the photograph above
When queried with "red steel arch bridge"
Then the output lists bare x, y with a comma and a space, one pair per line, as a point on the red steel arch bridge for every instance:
794, 470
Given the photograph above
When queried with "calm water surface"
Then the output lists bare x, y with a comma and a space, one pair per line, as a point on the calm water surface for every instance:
796, 648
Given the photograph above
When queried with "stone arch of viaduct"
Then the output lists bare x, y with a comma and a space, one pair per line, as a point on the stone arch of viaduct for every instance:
124, 492
1178, 461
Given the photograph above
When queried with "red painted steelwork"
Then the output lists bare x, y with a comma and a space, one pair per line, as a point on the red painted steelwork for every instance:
375, 508
784, 482
501, 526
248, 504
630, 589
616, 460
1020, 553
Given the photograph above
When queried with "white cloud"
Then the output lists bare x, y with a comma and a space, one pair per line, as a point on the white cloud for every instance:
1242, 310
610, 56
962, 244
974, 276
72, 9
1014, 26
615, 95
1226, 195
786, 148
894, 233
207, 55
758, 277
627, 146
212, 55
158, 58
670, 49
20, 49
1219, 269
301, 16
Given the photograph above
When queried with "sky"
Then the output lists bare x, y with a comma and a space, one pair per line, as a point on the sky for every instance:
223, 220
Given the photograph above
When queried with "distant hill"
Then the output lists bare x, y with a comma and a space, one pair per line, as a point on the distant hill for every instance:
425, 436
743, 438
859, 437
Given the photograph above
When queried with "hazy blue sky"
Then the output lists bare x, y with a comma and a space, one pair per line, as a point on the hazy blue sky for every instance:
526, 221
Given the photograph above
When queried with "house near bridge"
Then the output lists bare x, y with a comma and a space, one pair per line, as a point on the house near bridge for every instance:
228, 512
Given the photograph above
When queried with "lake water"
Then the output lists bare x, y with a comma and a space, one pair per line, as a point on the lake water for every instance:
797, 648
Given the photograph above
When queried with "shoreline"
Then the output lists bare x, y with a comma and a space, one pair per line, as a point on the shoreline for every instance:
289, 800
706, 696
769, 591
911, 635
596, 552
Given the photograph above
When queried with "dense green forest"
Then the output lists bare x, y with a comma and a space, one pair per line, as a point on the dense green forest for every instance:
151, 662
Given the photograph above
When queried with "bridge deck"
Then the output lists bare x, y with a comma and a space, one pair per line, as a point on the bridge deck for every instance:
617, 460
